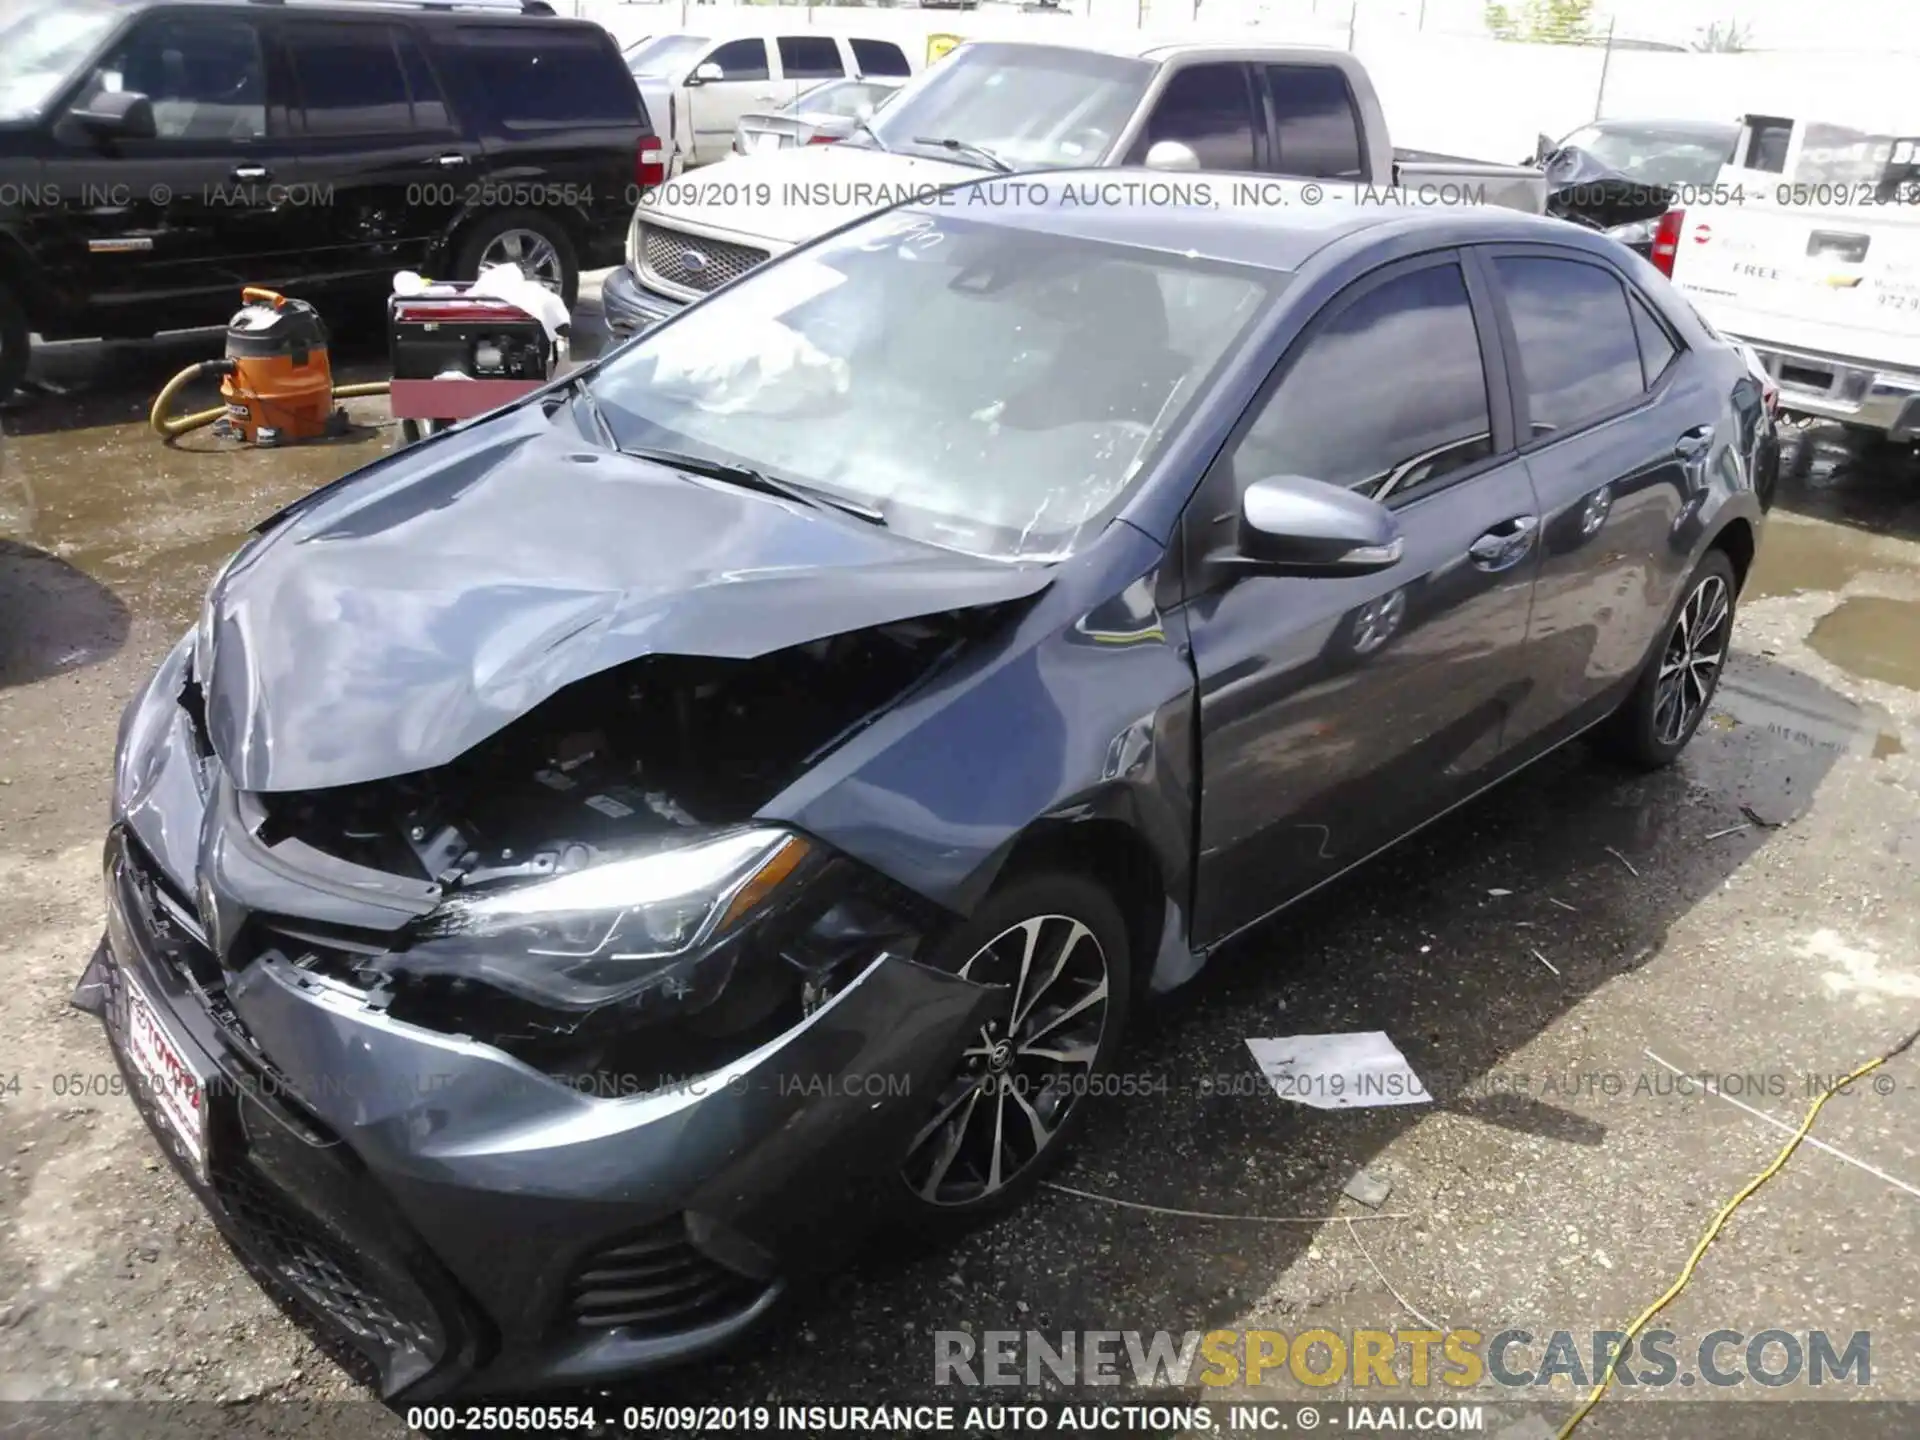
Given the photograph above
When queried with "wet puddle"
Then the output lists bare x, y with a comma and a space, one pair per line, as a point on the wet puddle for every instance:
1873, 638
1796, 559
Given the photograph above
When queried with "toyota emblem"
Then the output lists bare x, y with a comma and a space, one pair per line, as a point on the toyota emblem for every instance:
694, 262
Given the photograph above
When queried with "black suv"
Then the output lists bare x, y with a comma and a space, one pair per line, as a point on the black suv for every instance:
156, 156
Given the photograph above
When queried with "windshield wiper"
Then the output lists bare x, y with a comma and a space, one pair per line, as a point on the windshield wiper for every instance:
873, 135
966, 147
749, 478
583, 398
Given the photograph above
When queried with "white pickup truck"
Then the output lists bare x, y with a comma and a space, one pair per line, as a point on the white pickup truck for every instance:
1021, 108
1808, 248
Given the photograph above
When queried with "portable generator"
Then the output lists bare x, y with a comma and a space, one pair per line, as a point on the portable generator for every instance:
277, 380
456, 355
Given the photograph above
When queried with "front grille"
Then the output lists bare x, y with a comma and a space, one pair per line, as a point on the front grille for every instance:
656, 1283
694, 262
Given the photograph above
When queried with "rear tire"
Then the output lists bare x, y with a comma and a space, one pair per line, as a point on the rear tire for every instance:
16, 336
1682, 674
539, 245
1008, 1114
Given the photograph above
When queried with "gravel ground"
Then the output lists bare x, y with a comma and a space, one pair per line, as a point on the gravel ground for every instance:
1546, 959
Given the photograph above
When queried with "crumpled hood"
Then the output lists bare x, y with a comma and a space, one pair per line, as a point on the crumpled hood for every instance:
391, 624
790, 196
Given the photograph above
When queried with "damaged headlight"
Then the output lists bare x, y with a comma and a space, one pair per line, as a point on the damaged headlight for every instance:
646, 929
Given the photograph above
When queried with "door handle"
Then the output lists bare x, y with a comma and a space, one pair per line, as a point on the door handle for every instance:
1694, 442
1506, 544
251, 172
452, 161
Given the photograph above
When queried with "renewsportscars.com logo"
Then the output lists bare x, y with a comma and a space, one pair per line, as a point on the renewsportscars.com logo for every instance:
1388, 1359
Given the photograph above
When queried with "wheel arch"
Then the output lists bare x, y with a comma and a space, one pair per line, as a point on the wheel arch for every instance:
1738, 540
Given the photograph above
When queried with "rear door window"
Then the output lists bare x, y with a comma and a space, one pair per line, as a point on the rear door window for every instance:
350, 79
1316, 122
879, 57
532, 76
810, 57
1209, 109
1579, 355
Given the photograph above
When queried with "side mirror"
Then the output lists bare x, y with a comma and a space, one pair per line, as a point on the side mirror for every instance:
1290, 525
116, 115
1171, 155
706, 73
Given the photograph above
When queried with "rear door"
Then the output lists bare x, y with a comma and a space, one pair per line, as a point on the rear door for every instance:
1818, 249
377, 151
559, 120
807, 61
1620, 428
1315, 120
1338, 713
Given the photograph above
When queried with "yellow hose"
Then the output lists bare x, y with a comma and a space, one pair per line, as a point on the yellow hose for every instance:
172, 427
1713, 1231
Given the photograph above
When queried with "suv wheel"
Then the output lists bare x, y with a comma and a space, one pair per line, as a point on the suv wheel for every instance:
533, 242
15, 336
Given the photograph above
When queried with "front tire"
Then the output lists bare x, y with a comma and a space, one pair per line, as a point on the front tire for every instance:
1681, 675
1007, 1115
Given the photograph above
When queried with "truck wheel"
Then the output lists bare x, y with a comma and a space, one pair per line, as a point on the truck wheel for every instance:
532, 241
15, 336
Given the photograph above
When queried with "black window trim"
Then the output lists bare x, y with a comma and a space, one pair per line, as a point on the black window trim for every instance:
1509, 339
1500, 417
1655, 384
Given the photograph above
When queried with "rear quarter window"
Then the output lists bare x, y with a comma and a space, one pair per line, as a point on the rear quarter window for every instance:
530, 77
879, 57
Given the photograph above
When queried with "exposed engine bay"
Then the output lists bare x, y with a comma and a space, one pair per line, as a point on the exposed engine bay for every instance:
615, 765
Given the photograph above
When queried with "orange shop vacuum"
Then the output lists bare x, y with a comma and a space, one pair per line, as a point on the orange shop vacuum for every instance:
275, 378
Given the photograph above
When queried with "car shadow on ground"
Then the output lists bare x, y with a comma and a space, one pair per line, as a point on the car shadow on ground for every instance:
53, 618
1444, 943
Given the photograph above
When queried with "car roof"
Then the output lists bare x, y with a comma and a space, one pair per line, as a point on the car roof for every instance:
1693, 126
488, 10
1155, 48
1257, 220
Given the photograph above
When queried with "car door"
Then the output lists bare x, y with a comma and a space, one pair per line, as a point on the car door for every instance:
1617, 429
166, 229
746, 83
1335, 714
378, 157
807, 61
1210, 108
1315, 119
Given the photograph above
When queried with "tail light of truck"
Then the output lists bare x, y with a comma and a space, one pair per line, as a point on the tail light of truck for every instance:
822, 139
1666, 240
650, 163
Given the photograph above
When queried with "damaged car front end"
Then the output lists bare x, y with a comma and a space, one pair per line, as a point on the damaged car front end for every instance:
547, 892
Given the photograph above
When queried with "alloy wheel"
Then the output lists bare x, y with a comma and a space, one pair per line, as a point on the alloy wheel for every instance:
1024, 1070
532, 252
1690, 665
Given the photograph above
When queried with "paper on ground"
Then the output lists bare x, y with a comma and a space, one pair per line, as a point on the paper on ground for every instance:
1339, 1072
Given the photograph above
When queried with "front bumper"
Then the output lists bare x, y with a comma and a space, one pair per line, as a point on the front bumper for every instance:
468, 1224
1854, 392
630, 308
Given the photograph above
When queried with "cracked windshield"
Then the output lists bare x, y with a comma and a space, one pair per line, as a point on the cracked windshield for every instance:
1012, 418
